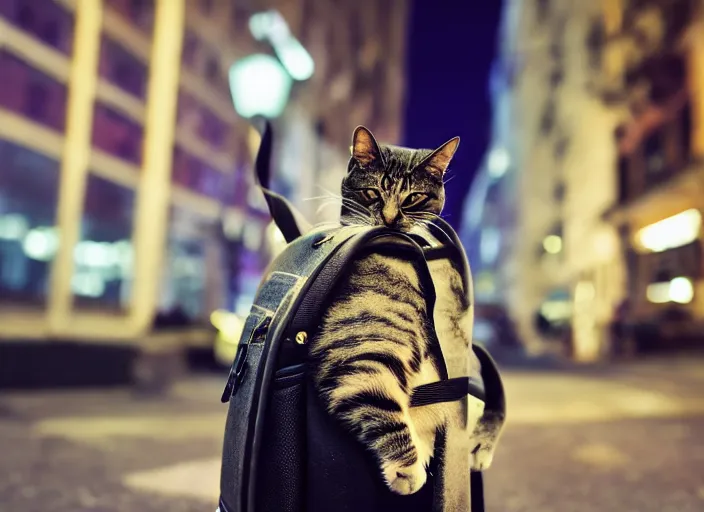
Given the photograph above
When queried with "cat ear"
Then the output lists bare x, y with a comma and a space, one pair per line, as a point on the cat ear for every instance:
364, 146
439, 160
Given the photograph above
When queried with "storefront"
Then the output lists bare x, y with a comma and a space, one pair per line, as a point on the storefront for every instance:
663, 247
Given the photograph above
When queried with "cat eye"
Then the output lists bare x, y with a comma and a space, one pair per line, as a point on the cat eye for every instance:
370, 194
415, 199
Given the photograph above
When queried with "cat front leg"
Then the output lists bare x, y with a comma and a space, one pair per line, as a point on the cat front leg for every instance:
404, 467
485, 439
373, 404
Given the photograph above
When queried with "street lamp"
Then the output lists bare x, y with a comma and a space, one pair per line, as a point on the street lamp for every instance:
272, 27
260, 86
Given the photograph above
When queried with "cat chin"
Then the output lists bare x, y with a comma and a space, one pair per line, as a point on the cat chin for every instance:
403, 228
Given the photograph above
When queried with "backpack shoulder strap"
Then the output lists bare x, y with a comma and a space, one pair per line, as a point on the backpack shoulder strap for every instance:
308, 312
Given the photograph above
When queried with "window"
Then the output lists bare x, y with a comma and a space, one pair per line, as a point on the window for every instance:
189, 53
194, 174
203, 121
542, 10
28, 235
561, 146
547, 120
103, 256
684, 119
558, 191
212, 68
557, 75
654, 153
240, 13
623, 165
117, 135
595, 42
212, 129
185, 272
36, 100
47, 20
206, 7
140, 12
187, 108
29, 92
121, 68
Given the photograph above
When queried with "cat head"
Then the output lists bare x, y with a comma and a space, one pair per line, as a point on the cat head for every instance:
394, 186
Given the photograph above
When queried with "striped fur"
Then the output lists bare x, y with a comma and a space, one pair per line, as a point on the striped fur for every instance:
370, 352
372, 347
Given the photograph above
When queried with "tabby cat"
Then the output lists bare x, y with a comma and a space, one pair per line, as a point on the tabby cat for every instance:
373, 345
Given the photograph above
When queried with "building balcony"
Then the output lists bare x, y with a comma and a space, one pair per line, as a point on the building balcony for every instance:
655, 149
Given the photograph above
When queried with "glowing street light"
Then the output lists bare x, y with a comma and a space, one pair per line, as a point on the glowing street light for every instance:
270, 25
552, 244
671, 232
498, 163
260, 86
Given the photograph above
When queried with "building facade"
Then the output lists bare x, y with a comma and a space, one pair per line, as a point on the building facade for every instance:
125, 173
657, 54
489, 223
597, 92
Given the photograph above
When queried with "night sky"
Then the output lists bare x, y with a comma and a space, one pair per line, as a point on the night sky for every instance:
451, 45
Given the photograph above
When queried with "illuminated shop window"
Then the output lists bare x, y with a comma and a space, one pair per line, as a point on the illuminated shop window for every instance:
679, 290
103, 257
28, 235
670, 233
46, 20
185, 276
31, 93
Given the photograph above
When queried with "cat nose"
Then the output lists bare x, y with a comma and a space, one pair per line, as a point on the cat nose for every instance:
391, 216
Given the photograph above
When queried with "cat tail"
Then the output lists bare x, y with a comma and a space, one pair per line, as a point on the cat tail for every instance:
286, 217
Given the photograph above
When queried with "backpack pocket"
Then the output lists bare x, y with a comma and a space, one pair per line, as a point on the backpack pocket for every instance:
282, 470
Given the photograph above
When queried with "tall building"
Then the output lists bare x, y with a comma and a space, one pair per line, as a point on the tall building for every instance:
589, 85
489, 220
656, 57
125, 173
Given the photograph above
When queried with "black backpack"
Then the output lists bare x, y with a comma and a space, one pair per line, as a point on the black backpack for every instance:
282, 452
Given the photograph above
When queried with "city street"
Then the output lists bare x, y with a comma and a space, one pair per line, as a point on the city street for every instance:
612, 439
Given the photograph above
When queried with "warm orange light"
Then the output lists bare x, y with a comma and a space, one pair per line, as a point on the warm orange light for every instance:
671, 232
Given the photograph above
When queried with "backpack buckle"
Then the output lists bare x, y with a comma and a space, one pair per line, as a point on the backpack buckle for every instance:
239, 366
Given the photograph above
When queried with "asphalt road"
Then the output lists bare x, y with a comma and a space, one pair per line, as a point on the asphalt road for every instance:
616, 439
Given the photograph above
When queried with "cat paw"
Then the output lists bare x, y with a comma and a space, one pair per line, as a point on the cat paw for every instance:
405, 479
482, 459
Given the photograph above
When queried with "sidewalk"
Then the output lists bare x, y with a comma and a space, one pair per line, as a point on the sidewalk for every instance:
110, 451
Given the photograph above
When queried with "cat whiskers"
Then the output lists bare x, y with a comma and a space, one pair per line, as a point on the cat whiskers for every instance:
348, 203
426, 218
448, 180
355, 211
